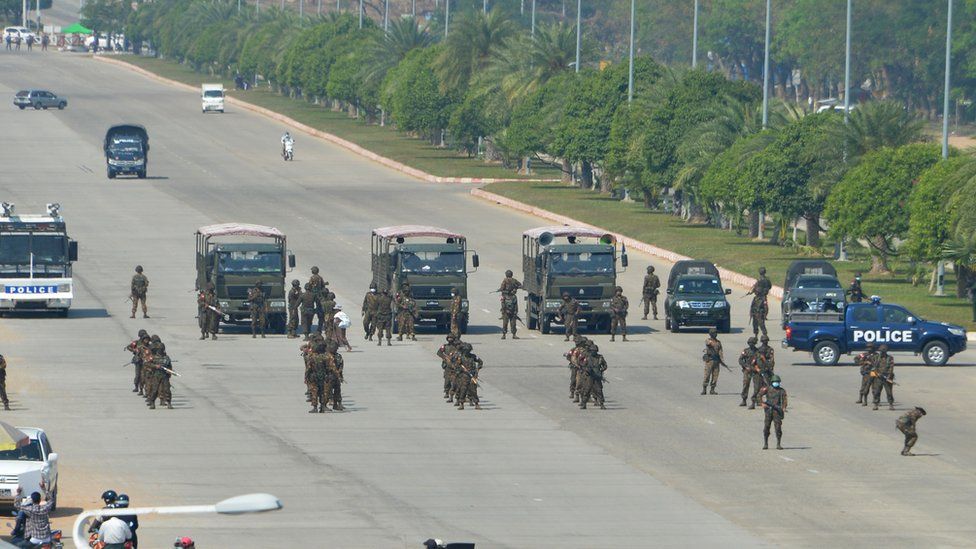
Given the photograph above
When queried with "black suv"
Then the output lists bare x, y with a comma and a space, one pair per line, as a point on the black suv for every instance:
696, 297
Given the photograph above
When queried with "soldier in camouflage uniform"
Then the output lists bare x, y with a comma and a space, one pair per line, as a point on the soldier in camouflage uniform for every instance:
444, 353
138, 290
568, 311
884, 377
592, 370
327, 306
575, 357
618, 313
316, 285
406, 307
316, 376
650, 291
906, 424
468, 365
456, 313
712, 357
865, 361
774, 403
369, 311
208, 318
759, 309
3, 384
294, 299
259, 309
333, 380
509, 303
767, 363
749, 362
384, 317
855, 290
308, 303
136, 348
161, 385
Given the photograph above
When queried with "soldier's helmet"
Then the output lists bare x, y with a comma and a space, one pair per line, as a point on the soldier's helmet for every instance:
143, 333
161, 348
386, 291
577, 338
565, 295
595, 348
509, 273
650, 268
712, 332
454, 290
138, 268
319, 347
883, 349
869, 346
774, 379
751, 340
210, 285
466, 347
450, 337
764, 339
308, 285
155, 338
331, 295
257, 284
372, 285
920, 409
618, 290
296, 283
315, 270
762, 270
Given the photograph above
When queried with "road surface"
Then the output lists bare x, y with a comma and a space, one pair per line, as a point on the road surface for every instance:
662, 467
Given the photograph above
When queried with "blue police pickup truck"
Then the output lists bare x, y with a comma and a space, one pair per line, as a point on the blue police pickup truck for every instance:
829, 334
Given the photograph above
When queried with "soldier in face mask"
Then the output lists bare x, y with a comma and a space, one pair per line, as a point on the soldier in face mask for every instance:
369, 312
774, 403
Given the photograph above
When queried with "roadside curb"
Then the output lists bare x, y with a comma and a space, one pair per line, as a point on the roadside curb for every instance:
726, 275
331, 138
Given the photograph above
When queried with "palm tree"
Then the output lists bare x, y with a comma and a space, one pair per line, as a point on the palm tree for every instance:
880, 124
469, 48
525, 63
389, 49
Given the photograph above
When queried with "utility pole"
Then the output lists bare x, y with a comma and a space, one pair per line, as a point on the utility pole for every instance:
841, 251
940, 269
533, 17
765, 96
579, 28
360, 13
238, 7
447, 16
413, 9
630, 74
484, 6
694, 39
386, 16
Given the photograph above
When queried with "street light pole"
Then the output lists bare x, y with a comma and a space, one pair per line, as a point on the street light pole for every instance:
630, 73
250, 503
484, 6
579, 28
447, 16
694, 39
765, 96
386, 16
360, 13
533, 17
948, 68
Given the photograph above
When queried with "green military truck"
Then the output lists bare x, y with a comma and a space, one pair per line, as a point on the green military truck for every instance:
584, 266
255, 253
432, 260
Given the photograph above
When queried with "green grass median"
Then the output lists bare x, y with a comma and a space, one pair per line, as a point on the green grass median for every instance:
726, 249
386, 142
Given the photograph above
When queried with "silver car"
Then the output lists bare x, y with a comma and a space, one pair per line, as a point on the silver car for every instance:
39, 99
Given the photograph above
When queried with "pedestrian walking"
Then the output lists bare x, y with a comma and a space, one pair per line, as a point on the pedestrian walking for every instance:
342, 323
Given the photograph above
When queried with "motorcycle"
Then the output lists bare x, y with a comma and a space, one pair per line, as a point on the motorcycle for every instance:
55, 542
288, 150
95, 544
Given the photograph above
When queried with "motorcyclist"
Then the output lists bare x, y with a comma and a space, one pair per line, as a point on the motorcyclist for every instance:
184, 543
122, 502
287, 142
109, 497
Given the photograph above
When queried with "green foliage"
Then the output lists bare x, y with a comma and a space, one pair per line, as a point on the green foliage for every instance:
934, 206
871, 201
105, 15
416, 101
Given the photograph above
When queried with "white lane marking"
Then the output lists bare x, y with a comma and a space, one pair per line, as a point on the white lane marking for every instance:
486, 310
536, 499
814, 471
710, 422
784, 458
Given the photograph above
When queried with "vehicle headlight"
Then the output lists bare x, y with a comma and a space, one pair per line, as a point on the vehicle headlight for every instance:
224, 304
684, 304
277, 303
719, 304
552, 304
957, 332
464, 303
606, 304
113, 162
64, 288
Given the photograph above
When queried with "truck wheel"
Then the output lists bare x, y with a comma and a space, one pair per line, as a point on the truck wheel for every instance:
63, 313
605, 326
462, 326
826, 353
62, 105
675, 327
546, 325
725, 326
667, 323
111, 174
142, 174
935, 353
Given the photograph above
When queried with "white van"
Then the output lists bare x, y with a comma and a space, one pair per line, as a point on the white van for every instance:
212, 96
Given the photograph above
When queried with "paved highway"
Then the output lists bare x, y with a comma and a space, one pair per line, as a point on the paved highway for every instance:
662, 467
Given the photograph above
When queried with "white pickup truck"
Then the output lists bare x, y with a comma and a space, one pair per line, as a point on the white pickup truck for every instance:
26, 466
212, 96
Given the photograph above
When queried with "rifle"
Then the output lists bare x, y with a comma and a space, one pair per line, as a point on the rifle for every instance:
723, 364
216, 310
883, 379
167, 370
774, 407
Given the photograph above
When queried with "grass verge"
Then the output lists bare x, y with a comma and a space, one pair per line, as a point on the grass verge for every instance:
383, 141
724, 248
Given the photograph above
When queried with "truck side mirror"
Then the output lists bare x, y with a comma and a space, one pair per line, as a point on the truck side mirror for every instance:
291, 261
474, 260
52, 457
623, 260
728, 291
72, 250
669, 291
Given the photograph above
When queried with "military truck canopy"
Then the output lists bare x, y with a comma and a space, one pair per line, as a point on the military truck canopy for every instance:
239, 229
808, 267
564, 230
414, 231
691, 266
133, 130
